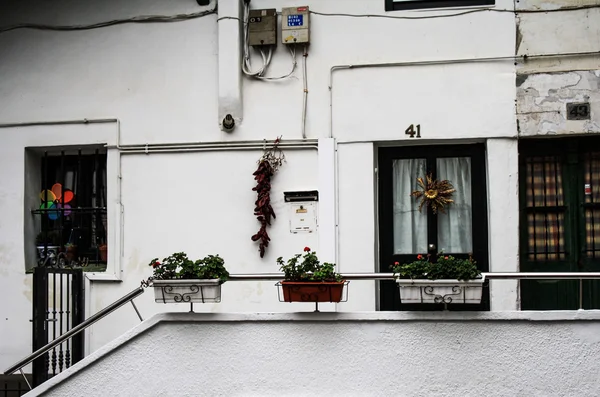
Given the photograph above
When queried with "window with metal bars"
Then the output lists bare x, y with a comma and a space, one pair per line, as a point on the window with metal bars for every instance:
545, 208
72, 210
560, 220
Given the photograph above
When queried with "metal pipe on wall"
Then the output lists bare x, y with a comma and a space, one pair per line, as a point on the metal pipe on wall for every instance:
514, 58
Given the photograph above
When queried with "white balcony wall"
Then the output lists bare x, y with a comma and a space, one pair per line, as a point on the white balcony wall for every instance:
340, 354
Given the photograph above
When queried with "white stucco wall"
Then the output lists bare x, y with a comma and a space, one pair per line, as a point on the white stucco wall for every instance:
570, 26
160, 81
379, 354
545, 86
543, 98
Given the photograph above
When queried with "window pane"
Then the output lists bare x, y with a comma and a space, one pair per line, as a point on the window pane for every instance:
544, 199
410, 225
455, 227
592, 196
544, 182
546, 236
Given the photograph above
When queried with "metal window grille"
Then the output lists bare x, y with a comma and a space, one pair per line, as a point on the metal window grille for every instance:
545, 208
77, 226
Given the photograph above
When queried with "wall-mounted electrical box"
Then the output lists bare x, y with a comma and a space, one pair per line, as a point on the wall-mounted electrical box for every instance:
262, 27
303, 211
295, 25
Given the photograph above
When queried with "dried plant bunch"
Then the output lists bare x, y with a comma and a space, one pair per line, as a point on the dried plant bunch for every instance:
434, 193
268, 165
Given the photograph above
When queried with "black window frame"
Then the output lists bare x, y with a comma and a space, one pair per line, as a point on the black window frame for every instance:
389, 299
570, 152
391, 5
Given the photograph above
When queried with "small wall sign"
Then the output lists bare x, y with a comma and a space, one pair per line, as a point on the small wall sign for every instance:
578, 111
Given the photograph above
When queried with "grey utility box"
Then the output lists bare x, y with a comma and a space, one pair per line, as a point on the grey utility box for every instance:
262, 27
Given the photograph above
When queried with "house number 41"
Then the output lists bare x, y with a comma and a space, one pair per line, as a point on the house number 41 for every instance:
411, 131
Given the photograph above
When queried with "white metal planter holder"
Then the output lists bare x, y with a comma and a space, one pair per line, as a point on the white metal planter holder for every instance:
187, 291
47, 254
441, 291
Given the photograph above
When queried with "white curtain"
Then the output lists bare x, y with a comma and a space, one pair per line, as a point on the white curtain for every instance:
455, 234
410, 225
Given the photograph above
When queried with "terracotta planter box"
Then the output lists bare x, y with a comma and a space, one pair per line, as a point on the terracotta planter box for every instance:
294, 291
103, 253
440, 291
71, 252
187, 291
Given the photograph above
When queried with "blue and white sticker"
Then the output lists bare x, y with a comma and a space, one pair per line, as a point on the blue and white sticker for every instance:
295, 20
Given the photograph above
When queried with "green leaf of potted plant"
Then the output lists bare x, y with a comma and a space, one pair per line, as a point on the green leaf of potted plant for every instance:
178, 279
445, 279
306, 279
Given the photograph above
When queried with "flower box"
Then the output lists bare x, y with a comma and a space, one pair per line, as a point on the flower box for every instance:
47, 255
306, 291
187, 291
440, 291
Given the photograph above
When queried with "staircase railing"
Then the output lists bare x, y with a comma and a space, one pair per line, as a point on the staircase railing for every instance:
75, 330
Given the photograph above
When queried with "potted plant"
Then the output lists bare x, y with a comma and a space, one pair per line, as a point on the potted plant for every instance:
179, 279
443, 279
48, 245
103, 250
308, 280
71, 251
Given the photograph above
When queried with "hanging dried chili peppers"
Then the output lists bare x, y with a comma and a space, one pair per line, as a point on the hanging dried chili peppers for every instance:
268, 165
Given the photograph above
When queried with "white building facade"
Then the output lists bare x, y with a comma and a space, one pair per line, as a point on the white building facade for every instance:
480, 80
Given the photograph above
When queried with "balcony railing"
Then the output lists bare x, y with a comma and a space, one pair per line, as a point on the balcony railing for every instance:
128, 298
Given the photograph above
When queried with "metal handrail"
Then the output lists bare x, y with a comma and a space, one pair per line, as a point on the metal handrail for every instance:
102, 313
390, 276
279, 276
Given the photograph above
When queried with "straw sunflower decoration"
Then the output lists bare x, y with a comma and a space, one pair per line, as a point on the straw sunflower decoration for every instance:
434, 193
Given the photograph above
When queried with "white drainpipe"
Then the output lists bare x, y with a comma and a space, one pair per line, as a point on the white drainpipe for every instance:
230, 60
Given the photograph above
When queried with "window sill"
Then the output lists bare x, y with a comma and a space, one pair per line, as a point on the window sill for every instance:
106, 277
566, 315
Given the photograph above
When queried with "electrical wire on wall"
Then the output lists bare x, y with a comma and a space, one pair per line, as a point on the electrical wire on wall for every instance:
266, 57
292, 49
187, 17
247, 63
305, 89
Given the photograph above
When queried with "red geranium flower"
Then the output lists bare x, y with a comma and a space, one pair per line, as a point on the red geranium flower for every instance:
306, 249
156, 264
419, 256
396, 263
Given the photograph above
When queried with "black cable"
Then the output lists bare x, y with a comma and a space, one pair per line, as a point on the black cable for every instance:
324, 14
455, 14
139, 19
186, 17
236, 18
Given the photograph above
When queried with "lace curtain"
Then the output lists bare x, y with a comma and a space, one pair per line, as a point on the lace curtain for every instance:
410, 226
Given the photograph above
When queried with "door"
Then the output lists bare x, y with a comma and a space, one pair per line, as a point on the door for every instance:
406, 232
559, 183
58, 306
